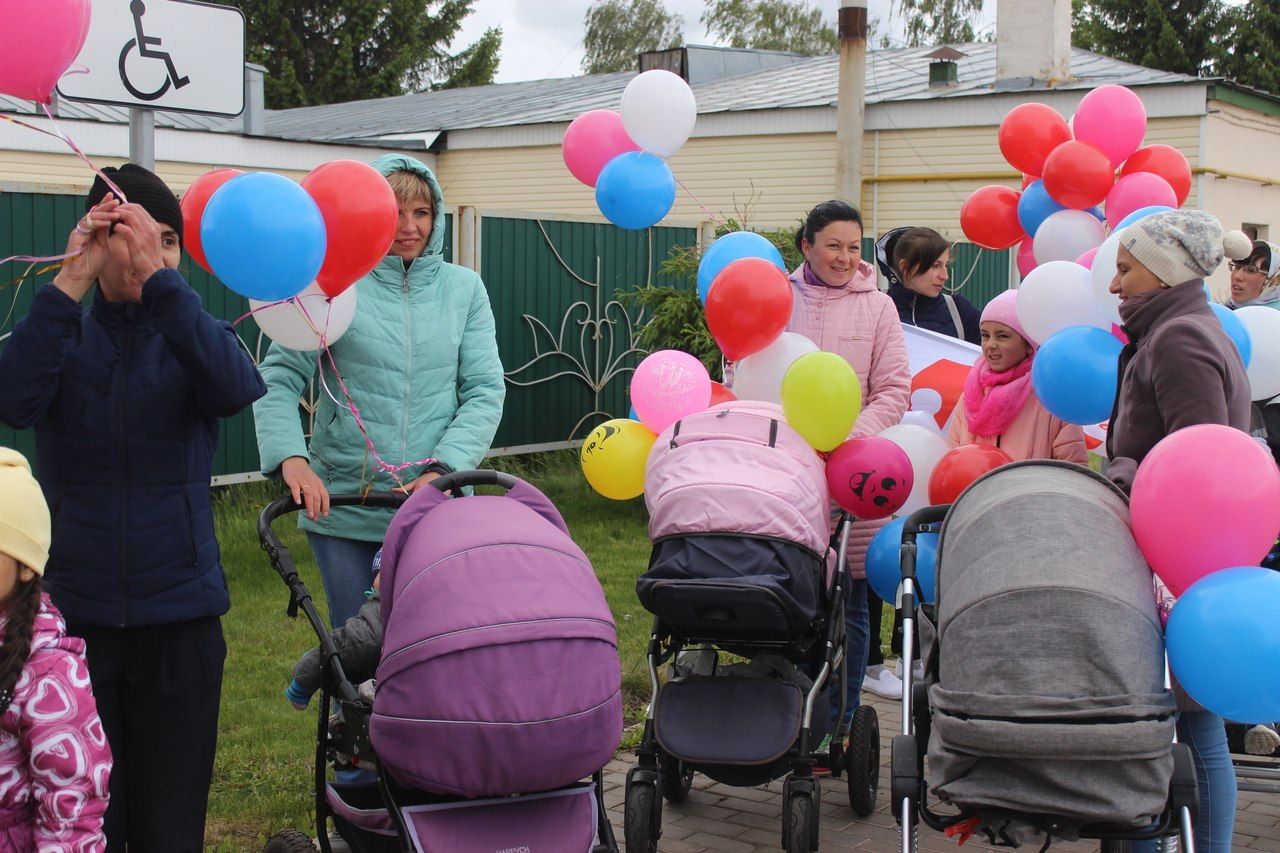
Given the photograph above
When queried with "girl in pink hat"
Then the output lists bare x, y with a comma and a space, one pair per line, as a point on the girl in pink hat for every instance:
999, 405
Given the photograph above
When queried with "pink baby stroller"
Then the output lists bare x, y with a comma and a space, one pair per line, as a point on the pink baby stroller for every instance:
743, 563
499, 687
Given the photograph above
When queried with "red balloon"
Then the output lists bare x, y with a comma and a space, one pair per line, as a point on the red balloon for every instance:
193, 204
360, 213
870, 477
960, 467
1167, 162
1078, 175
1029, 134
720, 393
748, 307
989, 217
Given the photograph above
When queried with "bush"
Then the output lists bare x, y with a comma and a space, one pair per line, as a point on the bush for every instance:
676, 318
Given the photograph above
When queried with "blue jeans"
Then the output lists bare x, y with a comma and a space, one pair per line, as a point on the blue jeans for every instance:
346, 567
857, 642
1204, 733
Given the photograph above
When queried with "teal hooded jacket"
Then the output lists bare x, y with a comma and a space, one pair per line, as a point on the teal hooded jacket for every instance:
420, 361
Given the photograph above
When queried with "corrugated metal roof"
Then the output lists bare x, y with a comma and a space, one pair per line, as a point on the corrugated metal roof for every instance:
892, 75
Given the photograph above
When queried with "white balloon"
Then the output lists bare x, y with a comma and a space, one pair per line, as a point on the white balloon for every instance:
1056, 296
1263, 325
659, 111
759, 376
924, 447
1103, 273
1066, 235
288, 325
925, 405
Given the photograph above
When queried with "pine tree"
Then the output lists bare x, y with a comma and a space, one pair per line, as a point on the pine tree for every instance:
1247, 51
1172, 35
329, 51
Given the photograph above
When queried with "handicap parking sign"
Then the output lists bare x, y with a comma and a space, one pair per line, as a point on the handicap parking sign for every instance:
175, 55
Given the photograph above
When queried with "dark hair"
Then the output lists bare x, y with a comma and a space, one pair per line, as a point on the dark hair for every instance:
17, 637
1260, 256
919, 248
822, 216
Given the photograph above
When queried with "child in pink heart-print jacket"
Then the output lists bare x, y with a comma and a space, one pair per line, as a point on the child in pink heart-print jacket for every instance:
54, 758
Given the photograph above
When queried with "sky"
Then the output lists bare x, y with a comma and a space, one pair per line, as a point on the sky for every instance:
538, 43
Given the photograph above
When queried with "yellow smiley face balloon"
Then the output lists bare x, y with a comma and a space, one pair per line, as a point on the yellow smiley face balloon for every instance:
613, 458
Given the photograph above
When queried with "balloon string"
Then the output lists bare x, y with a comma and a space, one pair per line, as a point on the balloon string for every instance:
714, 218
41, 259
348, 403
61, 134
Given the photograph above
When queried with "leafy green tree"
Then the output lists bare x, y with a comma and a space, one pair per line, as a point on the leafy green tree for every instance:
930, 22
1172, 35
791, 25
618, 30
1247, 51
329, 51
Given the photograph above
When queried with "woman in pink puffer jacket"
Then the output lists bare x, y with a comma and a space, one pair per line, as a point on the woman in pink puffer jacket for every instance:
838, 307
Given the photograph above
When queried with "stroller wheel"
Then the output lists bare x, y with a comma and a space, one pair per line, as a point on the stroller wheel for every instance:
676, 777
289, 841
800, 822
642, 818
862, 761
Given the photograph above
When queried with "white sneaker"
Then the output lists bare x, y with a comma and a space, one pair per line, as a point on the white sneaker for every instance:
883, 683
917, 671
1261, 740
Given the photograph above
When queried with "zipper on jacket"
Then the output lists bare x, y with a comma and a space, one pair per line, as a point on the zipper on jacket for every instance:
191, 534
126, 353
408, 368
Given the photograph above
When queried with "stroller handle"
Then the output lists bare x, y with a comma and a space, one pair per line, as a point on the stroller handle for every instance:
486, 477
286, 505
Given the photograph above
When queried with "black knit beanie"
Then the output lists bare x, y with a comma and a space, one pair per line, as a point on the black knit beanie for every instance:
143, 187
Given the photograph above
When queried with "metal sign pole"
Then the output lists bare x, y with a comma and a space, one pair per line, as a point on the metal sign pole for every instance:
142, 138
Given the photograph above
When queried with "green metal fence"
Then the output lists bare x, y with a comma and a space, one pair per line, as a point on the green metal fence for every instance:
567, 343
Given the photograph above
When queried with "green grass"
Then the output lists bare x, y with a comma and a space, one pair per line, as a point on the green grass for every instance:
262, 779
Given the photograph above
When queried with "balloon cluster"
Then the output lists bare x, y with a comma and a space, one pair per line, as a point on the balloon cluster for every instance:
622, 154
293, 250
1069, 169
1205, 509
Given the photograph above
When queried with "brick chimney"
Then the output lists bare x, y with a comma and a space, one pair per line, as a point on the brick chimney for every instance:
1033, 41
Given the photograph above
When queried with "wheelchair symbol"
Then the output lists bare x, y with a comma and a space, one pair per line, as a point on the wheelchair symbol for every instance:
144, 44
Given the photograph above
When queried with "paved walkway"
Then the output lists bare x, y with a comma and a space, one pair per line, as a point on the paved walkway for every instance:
719, 819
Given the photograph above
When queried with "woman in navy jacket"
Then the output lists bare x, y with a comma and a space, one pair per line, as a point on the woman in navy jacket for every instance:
125, 399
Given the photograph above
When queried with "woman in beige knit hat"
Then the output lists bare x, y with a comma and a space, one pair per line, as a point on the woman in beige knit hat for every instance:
1179, 369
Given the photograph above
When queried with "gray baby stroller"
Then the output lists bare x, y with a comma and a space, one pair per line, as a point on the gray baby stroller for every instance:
1045, 711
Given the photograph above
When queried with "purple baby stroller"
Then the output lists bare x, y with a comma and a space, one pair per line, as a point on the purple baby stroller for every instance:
499, 687
743, 563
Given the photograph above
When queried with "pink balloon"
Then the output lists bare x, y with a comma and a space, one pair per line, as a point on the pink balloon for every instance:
41, 39
1086, 260
667, 386
1112, 119
1136, 191
1027, 257
593, 140
1117, 332
871, 477
1205, 498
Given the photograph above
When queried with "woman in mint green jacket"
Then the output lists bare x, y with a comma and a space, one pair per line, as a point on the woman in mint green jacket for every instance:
420, 361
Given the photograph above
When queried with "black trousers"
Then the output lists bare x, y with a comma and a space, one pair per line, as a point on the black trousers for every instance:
158, 689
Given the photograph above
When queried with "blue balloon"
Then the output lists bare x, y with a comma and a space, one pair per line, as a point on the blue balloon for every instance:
263, 236
1140, 213
635, 190
884, 566
730, 248
1097, 214
1035, 206
1075, 374
632, 415
1224, 640
1235, 330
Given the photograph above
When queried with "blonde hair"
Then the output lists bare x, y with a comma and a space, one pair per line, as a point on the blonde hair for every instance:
410, 186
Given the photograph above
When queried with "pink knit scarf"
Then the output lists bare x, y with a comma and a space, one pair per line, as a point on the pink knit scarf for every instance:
992, 412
